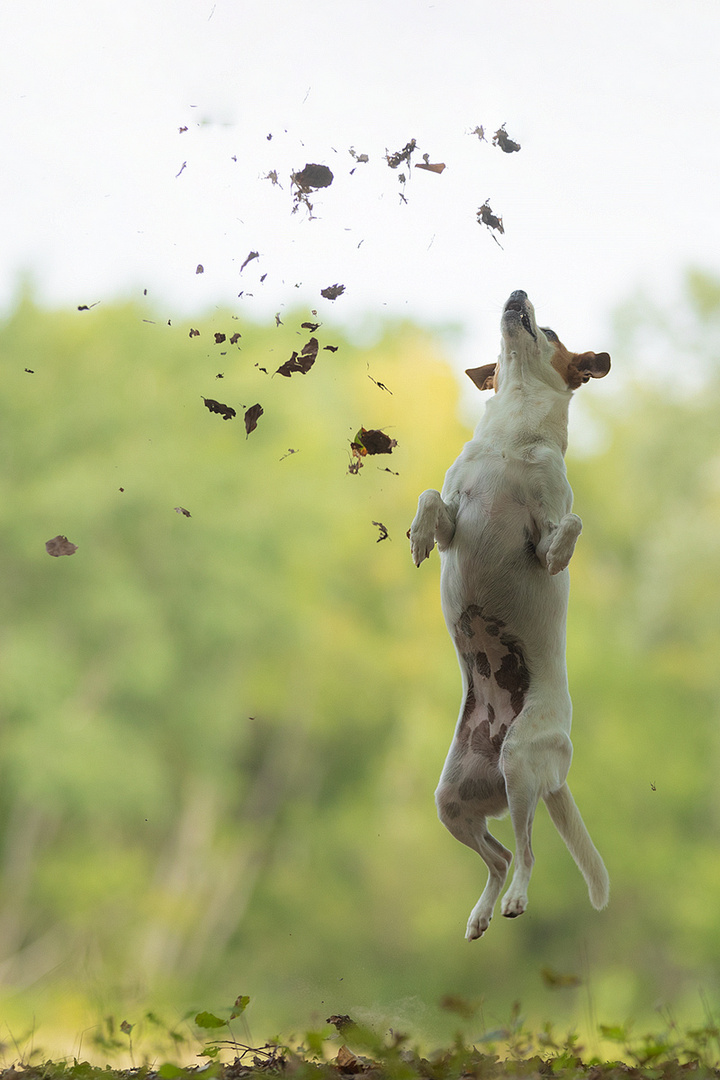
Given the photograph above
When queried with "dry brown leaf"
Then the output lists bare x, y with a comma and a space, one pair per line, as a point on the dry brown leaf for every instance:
60, 545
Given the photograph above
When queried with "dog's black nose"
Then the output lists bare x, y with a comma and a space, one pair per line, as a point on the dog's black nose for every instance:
519, 294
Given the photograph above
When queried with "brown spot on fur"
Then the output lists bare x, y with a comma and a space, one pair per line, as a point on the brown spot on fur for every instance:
476, 787
482, 742
452, 810
483, 665
513, 676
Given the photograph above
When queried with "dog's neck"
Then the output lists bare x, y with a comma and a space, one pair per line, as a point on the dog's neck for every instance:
526, 410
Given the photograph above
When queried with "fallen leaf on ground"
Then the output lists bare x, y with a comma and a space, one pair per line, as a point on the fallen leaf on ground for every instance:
60, 545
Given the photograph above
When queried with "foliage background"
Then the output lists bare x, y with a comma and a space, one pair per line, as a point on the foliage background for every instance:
221, 734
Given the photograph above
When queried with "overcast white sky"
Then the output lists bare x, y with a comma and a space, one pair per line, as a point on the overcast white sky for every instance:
616, 106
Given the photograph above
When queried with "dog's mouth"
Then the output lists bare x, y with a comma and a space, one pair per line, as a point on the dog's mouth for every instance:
518, 303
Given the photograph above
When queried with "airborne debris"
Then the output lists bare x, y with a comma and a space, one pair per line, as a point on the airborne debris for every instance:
302, 362
219, 338
380, 385
311, 326
60, 545
308, 180
226, 411
182, 510
235, 338
252, 416
332, 291
331, 348
273, 176
480, 132
368, 442
425, 164
200, 269
486, 217
404, 155
87, 307
194, 333
251, 256
384, 535
182, 167
503, 140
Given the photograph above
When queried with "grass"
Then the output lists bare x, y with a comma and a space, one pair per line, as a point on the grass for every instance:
344, 1050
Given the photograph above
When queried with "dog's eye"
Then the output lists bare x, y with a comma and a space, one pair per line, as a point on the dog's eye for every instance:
549, 334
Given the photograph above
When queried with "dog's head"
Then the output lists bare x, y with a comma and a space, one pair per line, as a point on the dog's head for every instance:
539, 350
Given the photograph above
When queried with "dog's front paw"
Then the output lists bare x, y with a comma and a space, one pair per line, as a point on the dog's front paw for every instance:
563, 543
422, 541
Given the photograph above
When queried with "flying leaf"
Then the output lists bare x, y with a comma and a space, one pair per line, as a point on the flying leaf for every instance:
182, 510
332, 291
226, 411
219, 338
486, 216
251, 256
373, 441
200, 269
252, 416
302, 362
384, 535
313, 176
503, 140
60, 545
425, 164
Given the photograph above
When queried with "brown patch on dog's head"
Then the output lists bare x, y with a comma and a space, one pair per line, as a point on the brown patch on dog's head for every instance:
483, 377
579, 368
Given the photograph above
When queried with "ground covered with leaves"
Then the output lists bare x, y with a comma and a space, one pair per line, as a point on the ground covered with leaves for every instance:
354, 1052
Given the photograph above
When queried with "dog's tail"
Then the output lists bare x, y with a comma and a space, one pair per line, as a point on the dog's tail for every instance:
568, 822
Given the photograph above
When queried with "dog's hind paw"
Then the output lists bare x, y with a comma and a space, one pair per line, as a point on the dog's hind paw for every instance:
512, 906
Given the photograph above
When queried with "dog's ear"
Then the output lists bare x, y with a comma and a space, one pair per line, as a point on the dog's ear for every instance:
588, 365
483, 377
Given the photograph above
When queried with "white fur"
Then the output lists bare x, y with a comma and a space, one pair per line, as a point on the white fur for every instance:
505, 531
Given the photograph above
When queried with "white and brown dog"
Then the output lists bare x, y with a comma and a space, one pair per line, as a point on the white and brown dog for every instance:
505, 532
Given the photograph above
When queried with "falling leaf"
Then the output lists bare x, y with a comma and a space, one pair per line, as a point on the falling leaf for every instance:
29, 371
302, 362
225, 411
331, 348
486, 217
332, 291
126, 1028
383, 531
396, 159
425, 164
219, 338
273, 176
373, 441
182, 510
503, 140
311, 326
235, 338
88, 307
194, 333
480, 132
181, 130
362, 159
60, 545
313, 176
251, 256
252, 416
278, 320
200, 269
341, 1022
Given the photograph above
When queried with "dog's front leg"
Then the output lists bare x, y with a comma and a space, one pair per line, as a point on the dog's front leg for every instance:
434, 521
557, 543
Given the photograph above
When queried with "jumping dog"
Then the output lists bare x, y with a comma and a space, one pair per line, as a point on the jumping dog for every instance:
505, 532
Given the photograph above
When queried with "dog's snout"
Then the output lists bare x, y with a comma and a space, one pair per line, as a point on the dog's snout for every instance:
518, 294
